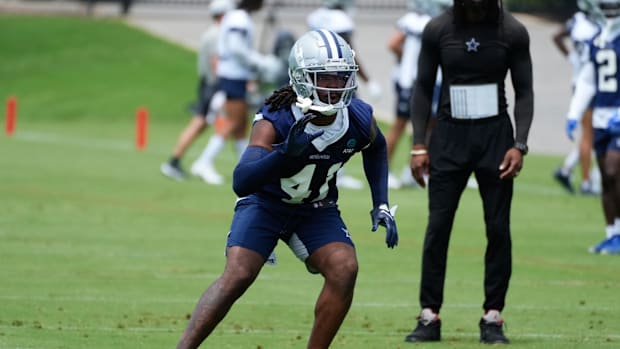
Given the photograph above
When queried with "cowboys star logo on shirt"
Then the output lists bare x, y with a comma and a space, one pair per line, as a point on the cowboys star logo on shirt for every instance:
472, 45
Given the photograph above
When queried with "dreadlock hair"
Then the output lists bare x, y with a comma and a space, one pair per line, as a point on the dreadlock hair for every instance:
281, 98
493, 15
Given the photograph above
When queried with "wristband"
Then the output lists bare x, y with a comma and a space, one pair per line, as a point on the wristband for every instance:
415, 152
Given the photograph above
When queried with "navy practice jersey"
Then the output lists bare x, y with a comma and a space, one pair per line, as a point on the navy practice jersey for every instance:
311, 177
604, 55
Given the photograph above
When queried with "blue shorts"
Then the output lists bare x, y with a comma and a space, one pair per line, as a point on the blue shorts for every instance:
605, 141
259, 223
234, 89
403, 102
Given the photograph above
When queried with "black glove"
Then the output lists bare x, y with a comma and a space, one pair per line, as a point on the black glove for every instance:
298, 140
384, 216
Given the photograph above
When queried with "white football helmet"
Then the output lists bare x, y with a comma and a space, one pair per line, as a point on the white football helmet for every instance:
322, 71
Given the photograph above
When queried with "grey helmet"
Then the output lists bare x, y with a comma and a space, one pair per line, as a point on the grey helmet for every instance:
321, 55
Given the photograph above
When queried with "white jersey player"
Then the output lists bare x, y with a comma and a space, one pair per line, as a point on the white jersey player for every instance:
598, 85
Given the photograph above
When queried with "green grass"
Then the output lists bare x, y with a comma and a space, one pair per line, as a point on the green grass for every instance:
98, 250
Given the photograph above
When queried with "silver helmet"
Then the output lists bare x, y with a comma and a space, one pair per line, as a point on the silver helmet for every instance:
322, 70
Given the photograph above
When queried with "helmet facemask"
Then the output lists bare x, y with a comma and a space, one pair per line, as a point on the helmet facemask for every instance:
323, 72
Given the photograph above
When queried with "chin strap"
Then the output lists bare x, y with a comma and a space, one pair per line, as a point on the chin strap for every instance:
305, 104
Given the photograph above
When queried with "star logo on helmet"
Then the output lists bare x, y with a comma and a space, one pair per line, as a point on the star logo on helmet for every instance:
472, 45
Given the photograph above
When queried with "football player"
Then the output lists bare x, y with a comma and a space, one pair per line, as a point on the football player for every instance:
580, 28
405, 44
286, 181
208, 105
475, 44
598, 79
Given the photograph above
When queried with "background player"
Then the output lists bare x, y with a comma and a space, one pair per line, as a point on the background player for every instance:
580, 28
599, 79
207, 106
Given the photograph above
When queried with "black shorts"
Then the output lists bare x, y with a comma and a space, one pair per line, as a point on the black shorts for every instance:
204, 94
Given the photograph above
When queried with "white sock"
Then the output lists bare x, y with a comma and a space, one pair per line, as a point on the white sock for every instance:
214, 147
610, 231
492, 316
616, 228
240, 145
427, 315
570, 162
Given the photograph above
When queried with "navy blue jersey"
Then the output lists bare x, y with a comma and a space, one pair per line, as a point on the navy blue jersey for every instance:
604, 55
311, 177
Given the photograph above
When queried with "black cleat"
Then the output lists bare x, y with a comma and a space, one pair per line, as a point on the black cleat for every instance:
425, 333
564, 181
492, 333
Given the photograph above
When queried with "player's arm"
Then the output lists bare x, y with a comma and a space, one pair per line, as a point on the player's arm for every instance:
259, 163
585, 89
559, 40
395, 43
376, 165
522, 81
428, 61
376, 169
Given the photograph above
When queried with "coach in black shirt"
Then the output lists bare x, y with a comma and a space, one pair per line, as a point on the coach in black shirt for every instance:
475, 43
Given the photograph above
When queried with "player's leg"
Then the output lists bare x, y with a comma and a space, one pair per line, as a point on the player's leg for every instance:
204, 166
323, 242
249, 245
403, 110
194, 128
338, 264
612, 169
496, 197
242, 267
236, 108
585, 152
172, 168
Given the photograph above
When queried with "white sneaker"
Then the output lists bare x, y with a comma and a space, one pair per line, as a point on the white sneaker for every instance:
393, 182
207, 173
348, 182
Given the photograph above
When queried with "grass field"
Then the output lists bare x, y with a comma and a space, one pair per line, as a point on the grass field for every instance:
98, 250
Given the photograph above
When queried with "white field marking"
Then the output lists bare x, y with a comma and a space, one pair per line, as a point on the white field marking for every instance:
50, 138
280, 303
107, 144
290, 331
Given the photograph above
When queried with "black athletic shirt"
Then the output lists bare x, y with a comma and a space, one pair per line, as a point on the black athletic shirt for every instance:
493, 50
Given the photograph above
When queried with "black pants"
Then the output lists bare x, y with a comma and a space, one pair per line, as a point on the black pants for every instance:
456, 149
